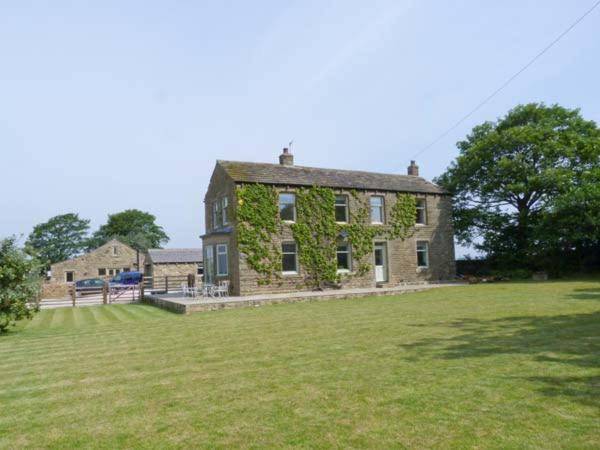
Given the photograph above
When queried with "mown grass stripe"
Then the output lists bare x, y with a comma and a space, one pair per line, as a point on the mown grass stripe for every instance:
87, 317
48, 316
107, 312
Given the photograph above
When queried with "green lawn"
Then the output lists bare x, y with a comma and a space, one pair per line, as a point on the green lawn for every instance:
505, 366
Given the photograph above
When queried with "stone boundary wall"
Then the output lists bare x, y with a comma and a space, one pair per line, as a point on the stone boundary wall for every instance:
54, 289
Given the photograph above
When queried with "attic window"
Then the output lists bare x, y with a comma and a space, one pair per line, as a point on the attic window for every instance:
115, 251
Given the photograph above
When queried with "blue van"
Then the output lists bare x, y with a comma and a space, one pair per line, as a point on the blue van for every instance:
128, 278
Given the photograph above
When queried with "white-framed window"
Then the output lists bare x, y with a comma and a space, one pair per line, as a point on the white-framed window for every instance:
344, 263
421, 211
422, 254
209, 264
115, 250
225, 209
341, 208
289, 257
222, 264
217, 215
377, 211
69, 276
287, 207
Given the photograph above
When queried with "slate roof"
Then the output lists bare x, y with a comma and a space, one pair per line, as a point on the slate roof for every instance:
175, 255
277, 174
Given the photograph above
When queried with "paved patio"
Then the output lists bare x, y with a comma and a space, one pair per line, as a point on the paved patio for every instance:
185, 305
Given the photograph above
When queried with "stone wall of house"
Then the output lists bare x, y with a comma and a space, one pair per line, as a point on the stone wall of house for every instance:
112, 255
402, 255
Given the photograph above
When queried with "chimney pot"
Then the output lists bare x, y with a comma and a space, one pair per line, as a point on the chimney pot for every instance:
286, 158
413, 169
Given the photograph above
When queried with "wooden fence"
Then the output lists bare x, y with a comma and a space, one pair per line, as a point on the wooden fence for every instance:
105, 295
171, 283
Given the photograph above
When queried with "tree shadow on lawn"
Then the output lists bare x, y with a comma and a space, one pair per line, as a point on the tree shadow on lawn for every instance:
586, 294
567, 339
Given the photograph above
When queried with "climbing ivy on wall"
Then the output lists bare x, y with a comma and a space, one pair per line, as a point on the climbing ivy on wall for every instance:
403, 216
360, 234
316, 234
257, 222
315, 231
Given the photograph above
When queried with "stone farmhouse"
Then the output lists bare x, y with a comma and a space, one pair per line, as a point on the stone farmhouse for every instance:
105, 261
427, 255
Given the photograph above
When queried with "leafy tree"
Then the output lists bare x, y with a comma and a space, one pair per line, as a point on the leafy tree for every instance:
571, 224
510, 172
19, 284
133, 227
60, 238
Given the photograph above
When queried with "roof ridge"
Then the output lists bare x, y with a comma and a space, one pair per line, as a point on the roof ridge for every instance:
295, 166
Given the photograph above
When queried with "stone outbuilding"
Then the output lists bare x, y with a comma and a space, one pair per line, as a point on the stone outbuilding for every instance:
105, 262
173, 262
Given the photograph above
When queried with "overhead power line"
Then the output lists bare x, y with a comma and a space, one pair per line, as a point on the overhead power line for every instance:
508, 81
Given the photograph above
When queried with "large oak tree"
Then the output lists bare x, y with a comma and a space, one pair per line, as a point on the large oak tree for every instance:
510, 175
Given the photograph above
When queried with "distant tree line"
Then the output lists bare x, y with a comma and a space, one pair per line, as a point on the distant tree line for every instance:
67, 235
526, 190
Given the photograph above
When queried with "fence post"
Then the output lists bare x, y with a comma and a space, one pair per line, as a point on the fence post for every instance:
73, 293
167, 284
141, 292
105, 293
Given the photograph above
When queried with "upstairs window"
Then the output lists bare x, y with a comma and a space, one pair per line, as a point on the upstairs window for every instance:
225, 209
343, 258
287, 207
341, 208
377, 209
101, 272
289, 257
422, 254
421, 211
217, 215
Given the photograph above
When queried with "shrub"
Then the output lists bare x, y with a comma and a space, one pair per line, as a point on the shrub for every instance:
19, 284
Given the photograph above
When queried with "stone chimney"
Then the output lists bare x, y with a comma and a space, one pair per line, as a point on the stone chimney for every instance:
286, 158
413, 169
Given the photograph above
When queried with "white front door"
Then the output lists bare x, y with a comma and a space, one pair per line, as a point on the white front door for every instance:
380, 263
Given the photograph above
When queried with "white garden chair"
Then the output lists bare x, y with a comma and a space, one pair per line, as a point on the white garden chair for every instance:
222, 290
185, 290
208, 290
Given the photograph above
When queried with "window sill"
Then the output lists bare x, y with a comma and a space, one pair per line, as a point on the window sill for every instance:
422, 268
420, 224
377, 223
343, 271
288, 221
287, 274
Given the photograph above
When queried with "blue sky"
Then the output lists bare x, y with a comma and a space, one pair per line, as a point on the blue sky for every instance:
109, 105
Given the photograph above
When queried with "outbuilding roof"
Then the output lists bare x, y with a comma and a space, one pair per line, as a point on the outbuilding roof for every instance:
175, 255
291, 175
